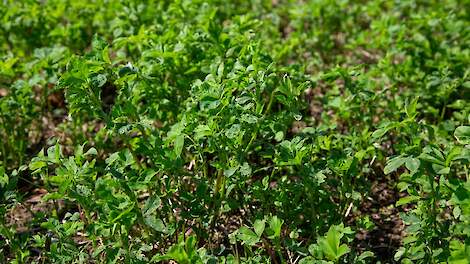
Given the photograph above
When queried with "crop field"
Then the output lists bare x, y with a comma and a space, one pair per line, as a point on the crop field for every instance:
235, 131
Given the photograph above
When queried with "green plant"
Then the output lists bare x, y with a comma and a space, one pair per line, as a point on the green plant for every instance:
234, 131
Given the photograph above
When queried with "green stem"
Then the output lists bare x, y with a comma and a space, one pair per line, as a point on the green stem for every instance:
270, 103
434, 198
252, 139
218, 196
255, 133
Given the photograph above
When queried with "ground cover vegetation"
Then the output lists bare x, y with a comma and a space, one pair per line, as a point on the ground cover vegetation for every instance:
210, 131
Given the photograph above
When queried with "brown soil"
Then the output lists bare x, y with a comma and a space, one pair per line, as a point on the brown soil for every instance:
388, 231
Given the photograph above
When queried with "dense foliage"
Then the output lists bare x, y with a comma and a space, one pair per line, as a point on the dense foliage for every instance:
262, 131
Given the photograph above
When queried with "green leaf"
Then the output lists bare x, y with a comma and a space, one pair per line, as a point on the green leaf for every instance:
411, 107
151, 205
279, 136
91, 151
233, 131
308, 260
332, 237
53, 153
155, 223
366, 254
3, 177
445, 170
407, 200
52, 196
230, 171
37, 164
190, 245
247, 236
330, 245
245, 169
275, 224
259, 227
250, 119
202, 131
462, 134
179, 144
412, 164
105, 54
383, 130
431, 159
342, 250
459, 253
99, 80
394, 164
